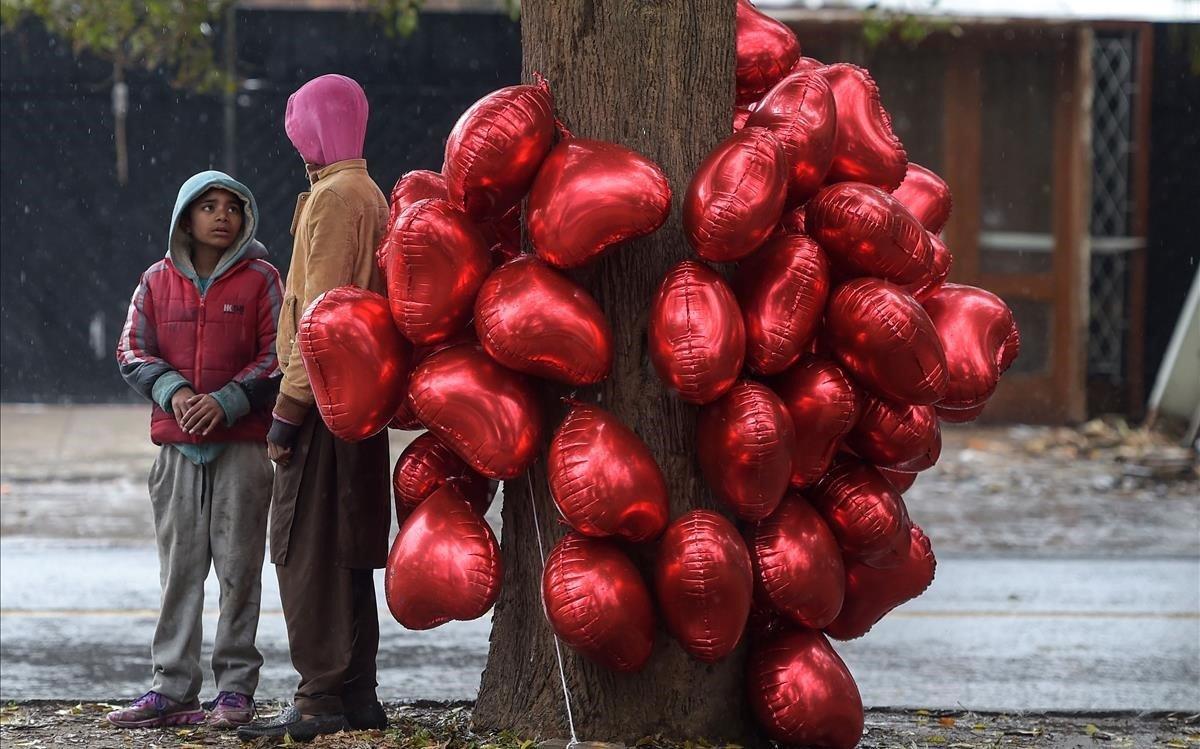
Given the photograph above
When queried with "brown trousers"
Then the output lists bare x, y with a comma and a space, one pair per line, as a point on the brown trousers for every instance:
327, 589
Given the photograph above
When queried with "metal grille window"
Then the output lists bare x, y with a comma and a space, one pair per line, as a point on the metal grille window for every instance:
1113, 62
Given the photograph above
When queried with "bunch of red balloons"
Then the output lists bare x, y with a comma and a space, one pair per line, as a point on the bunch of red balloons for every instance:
822, 369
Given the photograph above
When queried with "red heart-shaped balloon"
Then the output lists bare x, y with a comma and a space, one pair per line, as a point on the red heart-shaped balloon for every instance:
871, 593
902, 480
488, 415
802, 693
977, 330
588, 196
792, 221
824, 405
942, 260
800, 111
736, 196
746, 440
425, 466
865, 149
496, 147
926, 196
420, 184
740, 115
806, 63
886, 340
867, 232
697, 337
503, 235
959, 415
798, 564
444, 564
436, 264
704, 584
864, 511
535, 320
356, 360
782, 290
603, 477
766, 51
903, 438
597, 602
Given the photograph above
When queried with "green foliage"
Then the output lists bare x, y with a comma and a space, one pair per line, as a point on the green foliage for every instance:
174, 34
910, 29
400, 16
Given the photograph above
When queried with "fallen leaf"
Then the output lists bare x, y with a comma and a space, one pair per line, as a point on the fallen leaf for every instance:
947, 721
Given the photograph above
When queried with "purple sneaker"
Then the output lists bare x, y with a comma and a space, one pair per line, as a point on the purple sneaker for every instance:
154, 710
230, 710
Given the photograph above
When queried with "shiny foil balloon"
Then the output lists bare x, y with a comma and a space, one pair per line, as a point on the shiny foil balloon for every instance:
824, 403
357, 363
740, 115
436, 264
903, 438
959, 415
782, 290
926, 196
885, 340
871, 593
942, 260
444, 564
806, 63
902, 480
488, 415
597, 602
404, 419
736, 196
800, 111
798, 565
867, 232
588, 196
604, 479
746, 440
427, 465
865, 148
535, 320
864, 511
766, 51
792, 221
503, 235
420, 184
981, 340
496, 147
696, 334
802, 693
704, 584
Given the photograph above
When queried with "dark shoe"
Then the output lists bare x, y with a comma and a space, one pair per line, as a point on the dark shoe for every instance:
291, 723
367, 717
154, 710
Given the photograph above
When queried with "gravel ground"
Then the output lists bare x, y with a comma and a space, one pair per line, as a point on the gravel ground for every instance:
447, 726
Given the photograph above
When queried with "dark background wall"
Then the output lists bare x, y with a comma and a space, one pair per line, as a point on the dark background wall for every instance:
1173, 244
74, 242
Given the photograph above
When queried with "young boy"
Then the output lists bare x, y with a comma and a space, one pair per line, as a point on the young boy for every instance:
330, 507
199, 342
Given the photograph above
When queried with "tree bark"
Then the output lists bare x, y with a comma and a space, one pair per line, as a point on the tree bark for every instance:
656, 76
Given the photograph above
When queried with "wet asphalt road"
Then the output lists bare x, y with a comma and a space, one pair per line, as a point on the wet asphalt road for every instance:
991, 633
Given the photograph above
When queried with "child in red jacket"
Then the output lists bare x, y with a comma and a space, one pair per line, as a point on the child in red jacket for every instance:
199, 342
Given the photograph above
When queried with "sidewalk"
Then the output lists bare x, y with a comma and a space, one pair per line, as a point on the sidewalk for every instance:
448, 727
1063, 583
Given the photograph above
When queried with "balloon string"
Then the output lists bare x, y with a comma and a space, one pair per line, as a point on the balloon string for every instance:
562, 675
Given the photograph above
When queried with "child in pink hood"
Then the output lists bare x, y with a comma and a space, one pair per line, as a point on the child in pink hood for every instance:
330, 503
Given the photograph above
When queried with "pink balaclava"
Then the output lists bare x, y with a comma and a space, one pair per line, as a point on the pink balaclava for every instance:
326, 120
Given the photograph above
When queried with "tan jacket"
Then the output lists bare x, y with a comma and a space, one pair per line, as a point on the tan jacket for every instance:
336, 228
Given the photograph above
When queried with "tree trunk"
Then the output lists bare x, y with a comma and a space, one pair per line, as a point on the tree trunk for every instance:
656, 76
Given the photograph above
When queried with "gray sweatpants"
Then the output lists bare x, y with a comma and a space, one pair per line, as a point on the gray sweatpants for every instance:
209, 513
